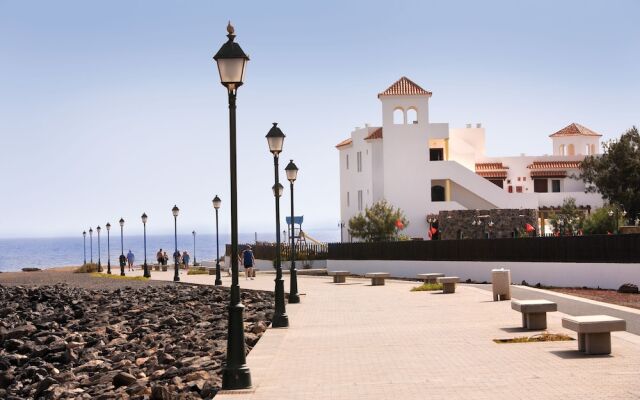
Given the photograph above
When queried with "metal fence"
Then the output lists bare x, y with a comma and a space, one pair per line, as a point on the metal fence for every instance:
578, 249
267, 251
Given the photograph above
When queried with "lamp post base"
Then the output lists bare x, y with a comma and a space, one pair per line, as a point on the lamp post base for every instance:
99, 267
280, 317
294, 298
147, 273
218, 280
236, 378
236, 374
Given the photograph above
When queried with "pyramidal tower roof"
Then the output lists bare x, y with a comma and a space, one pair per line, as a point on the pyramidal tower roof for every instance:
403, 87
575, 130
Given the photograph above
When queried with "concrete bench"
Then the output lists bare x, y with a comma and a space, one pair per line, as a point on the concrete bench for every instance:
448, 283
594, 331
430, 277
534, 312
377, 278
339, 276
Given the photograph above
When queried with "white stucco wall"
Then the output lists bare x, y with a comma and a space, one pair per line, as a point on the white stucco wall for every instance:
608, 276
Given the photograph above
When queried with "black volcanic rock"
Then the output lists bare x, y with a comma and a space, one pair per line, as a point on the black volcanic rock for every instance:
147, 342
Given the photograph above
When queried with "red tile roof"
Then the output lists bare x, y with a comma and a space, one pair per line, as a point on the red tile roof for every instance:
490, 166
554, 164
548, 174
404, 86
376, 134
492, 174
345, 142
575, 130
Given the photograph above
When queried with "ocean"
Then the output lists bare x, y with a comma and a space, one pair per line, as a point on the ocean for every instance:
16, 254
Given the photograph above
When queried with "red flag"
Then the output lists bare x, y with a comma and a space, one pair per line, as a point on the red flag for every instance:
529, 228
399, 224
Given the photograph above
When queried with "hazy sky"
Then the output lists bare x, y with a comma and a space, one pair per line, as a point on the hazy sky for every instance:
114, 108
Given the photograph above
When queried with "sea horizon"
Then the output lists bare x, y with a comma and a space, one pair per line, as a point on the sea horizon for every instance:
65, 251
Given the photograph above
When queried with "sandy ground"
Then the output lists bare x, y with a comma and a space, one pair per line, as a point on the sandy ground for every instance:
64, 275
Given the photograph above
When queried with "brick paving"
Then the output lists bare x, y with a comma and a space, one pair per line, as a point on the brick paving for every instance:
356, 341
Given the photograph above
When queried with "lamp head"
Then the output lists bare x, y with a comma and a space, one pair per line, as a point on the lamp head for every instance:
232, 62
217, 202
275, 139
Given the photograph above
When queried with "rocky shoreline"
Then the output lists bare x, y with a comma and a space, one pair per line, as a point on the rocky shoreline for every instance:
149, 342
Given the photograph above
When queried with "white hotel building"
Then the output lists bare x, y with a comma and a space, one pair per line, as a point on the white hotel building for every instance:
424, 167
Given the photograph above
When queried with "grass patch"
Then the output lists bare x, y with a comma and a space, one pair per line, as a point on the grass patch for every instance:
540, 337
197, 271
116, 276
87, 268
427, 287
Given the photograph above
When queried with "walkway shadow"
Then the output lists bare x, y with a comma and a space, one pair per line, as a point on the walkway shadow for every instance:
520, 330
575, 354
344, 284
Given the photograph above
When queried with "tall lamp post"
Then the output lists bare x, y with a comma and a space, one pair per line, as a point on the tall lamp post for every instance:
121, 246
84, 246
216, 205
194, 248
275, 139
108, 249
147, 272
292, 174
341, 225
231, 62
98, 229
91, 244
175, 211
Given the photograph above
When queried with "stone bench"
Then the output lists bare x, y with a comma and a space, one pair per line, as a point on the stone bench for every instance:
339, 276
430, 277
594, 331
377, 278
448, 283
534, 312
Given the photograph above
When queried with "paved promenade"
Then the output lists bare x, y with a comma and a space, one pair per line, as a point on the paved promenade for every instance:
356, 341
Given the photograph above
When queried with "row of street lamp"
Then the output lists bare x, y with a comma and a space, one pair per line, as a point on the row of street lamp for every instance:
147, 271
231, 61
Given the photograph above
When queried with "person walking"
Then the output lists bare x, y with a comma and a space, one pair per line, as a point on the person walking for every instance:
185, 260
130, 259
165, 258
249, 261
160, 257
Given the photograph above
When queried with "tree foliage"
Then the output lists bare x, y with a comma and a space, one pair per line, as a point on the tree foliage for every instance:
380, 222
568, 220
616, 173
600, 222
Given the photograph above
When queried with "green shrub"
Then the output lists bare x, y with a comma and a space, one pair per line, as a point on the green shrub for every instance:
87, 268
197, 271
117, 276
427, 287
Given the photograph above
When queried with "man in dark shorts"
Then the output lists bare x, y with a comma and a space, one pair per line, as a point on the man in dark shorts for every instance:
248, 261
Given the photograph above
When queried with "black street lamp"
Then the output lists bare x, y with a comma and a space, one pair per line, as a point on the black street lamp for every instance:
98, 229
216, 205
84, 246
175, 210
194, 248
108, 249
91, 244
231, 62
147, 272
122, 262
292, 174
275, 139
